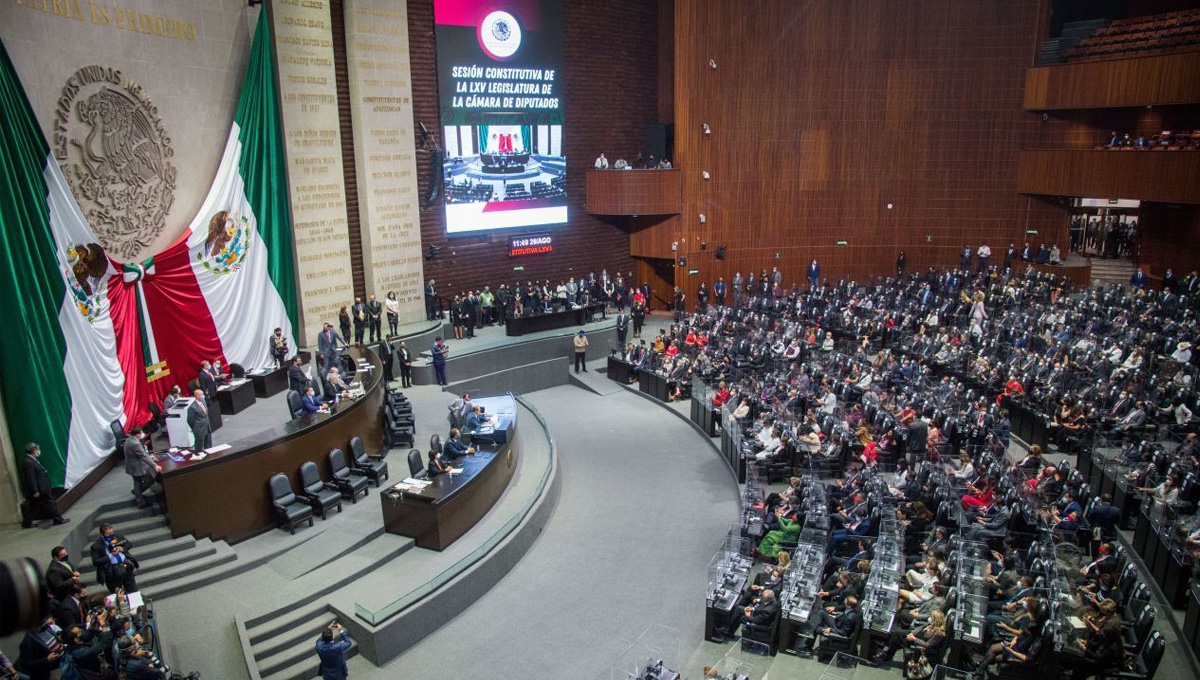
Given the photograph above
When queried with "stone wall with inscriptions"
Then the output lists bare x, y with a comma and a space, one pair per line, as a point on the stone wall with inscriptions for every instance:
175, 65
308, 90
384, 149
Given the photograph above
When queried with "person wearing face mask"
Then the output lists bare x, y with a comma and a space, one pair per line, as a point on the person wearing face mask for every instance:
393, 313
140, 465
279, 347
37, 489
61, 575
114, 565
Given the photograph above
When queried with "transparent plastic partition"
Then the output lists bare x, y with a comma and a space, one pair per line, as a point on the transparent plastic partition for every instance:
727, 576
735, 543
948, 673
653, 656
748, 660
848, 667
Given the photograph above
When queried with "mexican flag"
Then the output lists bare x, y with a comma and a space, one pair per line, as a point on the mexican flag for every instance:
91, 341
60, 385
229, 280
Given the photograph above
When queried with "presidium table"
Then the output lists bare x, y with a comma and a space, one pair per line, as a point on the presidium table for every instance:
224, 496
438, 514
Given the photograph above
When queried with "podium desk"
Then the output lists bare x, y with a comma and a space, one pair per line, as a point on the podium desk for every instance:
236, 397
269, 381
225, 496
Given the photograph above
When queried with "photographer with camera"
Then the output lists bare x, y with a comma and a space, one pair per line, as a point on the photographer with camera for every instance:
41, 650
137, 663
331, 650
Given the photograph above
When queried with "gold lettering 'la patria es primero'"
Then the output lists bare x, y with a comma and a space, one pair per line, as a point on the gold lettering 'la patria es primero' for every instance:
100, 14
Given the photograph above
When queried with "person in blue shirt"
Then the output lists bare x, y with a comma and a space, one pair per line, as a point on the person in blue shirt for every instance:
1139, 279
814, 274
312, 403
440, 350
331, 650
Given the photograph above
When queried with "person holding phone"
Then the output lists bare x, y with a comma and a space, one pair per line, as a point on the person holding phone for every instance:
331, 650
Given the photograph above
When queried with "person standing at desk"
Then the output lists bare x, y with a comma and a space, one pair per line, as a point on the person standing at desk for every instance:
279, 346
359, 314
139, 465
440, 350
37, 489
331, 650
581, 344
374, 318
207, 382
327, 348
297, 378
405, 359
197, 420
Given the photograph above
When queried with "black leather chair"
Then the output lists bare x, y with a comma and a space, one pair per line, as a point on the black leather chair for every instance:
1137, 632
435, 443
374, 468
237, 371
834, 642
288, 508
1145, 664
768, 634
416, 468
347, 481
295, 404
119, 434
158, 419
319, 494
399, 430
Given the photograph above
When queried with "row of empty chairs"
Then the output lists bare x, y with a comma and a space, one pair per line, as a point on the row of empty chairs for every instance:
1140, 36
399, 425
348, 478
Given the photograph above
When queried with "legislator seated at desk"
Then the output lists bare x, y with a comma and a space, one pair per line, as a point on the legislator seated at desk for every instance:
311, 403
454, 448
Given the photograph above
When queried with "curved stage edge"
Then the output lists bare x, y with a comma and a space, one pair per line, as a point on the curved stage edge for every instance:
390, 638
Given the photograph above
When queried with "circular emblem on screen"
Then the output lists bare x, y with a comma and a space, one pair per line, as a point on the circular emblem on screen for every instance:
500, 35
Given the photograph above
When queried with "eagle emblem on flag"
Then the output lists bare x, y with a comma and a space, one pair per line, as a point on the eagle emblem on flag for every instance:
225, 246
84, 274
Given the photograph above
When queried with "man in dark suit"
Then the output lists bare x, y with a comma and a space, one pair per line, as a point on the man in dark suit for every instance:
69, 610
454, 448
61, 575
139, 465
327, 348
207, 382
1105, 516
814, 275
359, 313
113, 562
197, 420
297, 378
37, 489
311, 402
843, 624
761, 614
375, 318
622, 327
405, 358
439, 351
385, 355
431, 301
918, 440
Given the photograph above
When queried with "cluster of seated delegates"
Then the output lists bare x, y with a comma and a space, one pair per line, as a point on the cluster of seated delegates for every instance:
90, 629
1179, 140
639, 163
474, 309
1140, 36
927, 368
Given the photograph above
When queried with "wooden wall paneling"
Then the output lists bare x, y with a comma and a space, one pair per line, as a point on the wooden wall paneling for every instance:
633, 192
666, 61
1137, 81
1168, 176
823, 113
652, 235
1169, 237
610, 78
337, 24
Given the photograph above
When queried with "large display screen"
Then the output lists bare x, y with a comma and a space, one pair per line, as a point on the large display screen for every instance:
500, 77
